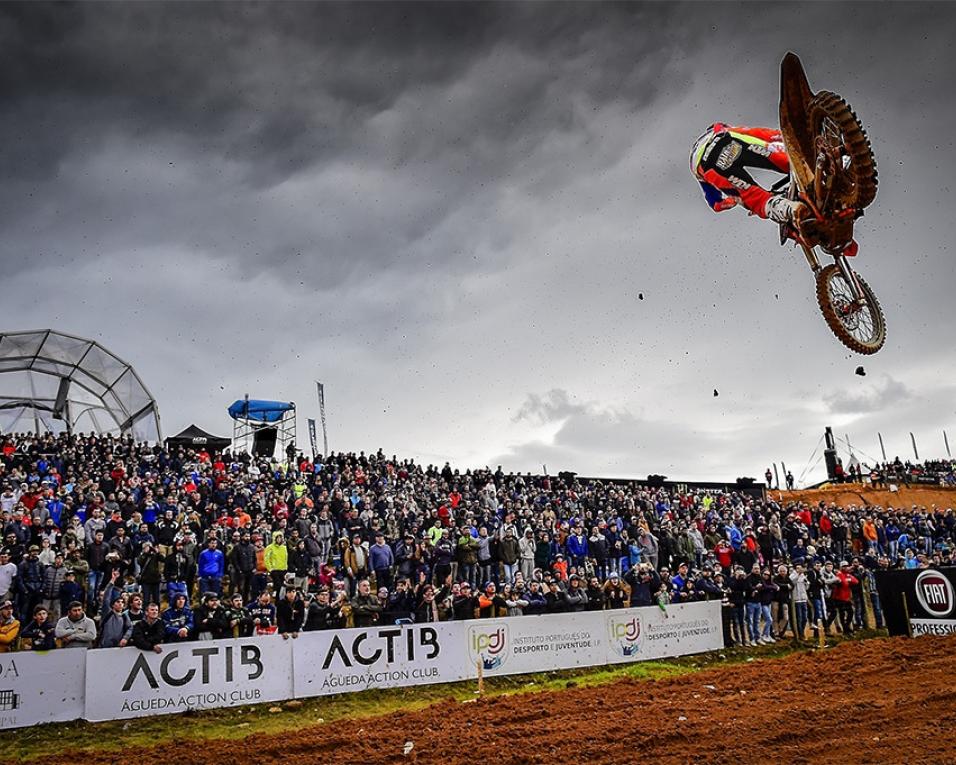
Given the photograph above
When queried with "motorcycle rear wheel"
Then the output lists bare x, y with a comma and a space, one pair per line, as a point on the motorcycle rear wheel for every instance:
833, 121
859, 328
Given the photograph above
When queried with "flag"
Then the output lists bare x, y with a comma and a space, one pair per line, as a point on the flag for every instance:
312, 436
325, 435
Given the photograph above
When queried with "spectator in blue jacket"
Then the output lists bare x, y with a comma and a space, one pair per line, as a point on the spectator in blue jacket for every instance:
178, 620
381, 559
212, 567
577, 545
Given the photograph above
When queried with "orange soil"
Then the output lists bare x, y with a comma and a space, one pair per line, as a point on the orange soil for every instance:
858, 494
874, 701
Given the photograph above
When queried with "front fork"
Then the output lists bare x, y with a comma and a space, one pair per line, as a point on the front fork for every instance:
814, 262
811, 255
843, 264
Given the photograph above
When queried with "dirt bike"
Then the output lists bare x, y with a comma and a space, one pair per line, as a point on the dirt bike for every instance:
832, 170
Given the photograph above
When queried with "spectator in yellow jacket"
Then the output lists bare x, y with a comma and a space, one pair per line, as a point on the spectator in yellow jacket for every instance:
9, 627
276, 558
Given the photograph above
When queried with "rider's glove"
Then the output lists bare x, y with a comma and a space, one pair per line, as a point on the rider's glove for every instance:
725, 204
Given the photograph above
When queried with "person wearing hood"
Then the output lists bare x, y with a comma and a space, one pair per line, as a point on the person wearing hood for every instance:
300, 565
178, 619
116, 628
650, 548
276, 559
575, 599
615, 594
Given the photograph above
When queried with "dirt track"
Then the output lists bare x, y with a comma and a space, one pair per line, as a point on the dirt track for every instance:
858, 494
878, 701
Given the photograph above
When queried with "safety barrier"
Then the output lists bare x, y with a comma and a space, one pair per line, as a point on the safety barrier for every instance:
118, 683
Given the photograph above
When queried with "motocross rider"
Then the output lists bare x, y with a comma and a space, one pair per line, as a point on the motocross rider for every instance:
719, 162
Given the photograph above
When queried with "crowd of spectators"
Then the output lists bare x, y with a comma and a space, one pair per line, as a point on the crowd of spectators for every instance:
937, 472
109, 542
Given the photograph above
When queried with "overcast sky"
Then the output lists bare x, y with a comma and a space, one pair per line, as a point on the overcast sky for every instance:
447, 214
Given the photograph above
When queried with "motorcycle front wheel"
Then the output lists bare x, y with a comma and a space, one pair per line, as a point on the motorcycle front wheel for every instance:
860, 328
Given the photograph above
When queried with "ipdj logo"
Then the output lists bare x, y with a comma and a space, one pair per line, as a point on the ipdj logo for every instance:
625, 636
935, 593
488, 647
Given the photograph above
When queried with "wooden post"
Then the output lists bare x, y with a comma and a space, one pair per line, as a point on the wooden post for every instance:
481, 677
869, 618
793, 619
906, 614
821, 638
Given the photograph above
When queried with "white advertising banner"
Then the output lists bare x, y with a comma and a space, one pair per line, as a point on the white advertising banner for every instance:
41, 687
636, 634
118, 683
522, 644
341, 661
128, 682
933, 626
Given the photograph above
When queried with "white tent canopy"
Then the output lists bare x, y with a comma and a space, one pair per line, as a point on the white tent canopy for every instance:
54, 381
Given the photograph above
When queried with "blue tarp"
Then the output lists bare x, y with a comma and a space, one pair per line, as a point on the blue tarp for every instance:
260, 411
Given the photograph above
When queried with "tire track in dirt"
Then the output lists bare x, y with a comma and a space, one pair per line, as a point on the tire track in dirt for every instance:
874, 701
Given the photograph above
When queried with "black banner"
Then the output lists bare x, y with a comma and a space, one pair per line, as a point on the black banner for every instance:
918, 601
312, 436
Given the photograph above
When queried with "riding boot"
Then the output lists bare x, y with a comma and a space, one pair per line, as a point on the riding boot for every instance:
782, 210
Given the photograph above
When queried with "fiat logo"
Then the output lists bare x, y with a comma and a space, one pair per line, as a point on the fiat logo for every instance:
935, 593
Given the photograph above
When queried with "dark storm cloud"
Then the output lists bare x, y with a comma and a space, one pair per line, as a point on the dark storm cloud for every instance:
447, 99
444, 206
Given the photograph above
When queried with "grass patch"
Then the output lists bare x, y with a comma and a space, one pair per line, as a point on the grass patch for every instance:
236, 723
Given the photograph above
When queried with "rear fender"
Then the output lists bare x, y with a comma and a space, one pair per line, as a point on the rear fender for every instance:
795, 94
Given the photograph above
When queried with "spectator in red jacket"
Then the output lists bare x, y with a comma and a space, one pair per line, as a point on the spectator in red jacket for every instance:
724, 553
842, 597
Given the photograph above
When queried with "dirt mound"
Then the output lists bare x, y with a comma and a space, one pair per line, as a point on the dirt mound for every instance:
875, 701
859, 494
